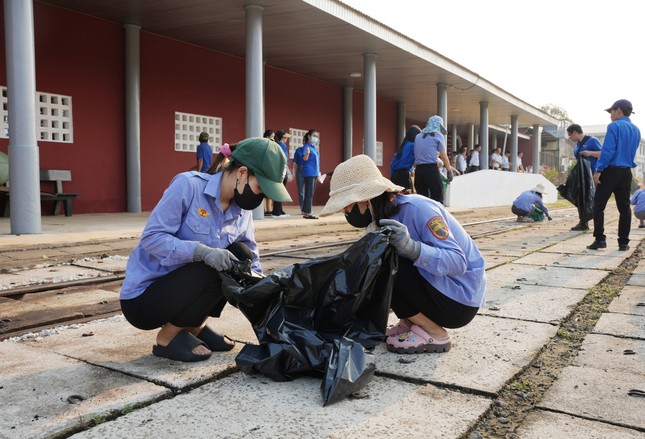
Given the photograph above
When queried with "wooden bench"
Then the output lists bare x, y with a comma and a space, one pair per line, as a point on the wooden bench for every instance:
58, 197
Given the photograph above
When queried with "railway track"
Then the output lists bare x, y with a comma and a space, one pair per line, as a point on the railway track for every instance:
42, 305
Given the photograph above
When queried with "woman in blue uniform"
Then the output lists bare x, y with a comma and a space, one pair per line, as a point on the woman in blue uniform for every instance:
202, 223
402, 164
307, 159
440, 282
429, 148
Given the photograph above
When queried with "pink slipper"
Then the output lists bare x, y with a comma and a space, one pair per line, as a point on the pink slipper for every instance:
416, 341
403, 326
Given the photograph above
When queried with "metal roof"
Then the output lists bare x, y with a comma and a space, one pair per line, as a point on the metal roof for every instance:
326, 40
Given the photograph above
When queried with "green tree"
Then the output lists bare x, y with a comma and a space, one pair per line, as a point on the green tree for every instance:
557, 112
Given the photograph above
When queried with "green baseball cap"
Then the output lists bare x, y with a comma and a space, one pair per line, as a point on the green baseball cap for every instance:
267, 161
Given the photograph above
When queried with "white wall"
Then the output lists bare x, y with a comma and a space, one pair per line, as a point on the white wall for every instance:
489, 188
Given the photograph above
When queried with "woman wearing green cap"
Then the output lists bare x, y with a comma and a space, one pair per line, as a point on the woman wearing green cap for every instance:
202, 224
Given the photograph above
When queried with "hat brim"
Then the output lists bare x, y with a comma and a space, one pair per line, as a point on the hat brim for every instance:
273, 190
360, 192
443, 130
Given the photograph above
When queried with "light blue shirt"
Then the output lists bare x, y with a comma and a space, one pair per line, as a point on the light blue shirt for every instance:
638, 200
426, 149
527, 199
620, 145
449, 259
188, 213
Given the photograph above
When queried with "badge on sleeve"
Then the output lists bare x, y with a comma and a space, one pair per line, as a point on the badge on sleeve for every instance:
438, 227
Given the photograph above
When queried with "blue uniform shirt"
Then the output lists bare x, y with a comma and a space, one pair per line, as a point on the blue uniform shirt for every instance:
407, 158
188, 213
205, 153
425, 150
527, 199
284, 149
620, 145
592, 144
311, 166
638, 200
449, 259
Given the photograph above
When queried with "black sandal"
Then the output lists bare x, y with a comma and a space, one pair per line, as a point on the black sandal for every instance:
181, 348
214, 341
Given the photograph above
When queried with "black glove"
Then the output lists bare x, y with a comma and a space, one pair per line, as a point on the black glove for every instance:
449, 176
549, 218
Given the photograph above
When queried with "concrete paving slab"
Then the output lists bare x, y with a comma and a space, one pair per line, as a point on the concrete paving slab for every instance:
112, 264
540, 424
495, 258
519, 274
612, 353
484, 355
117, 345
578, 245
621, 325
631, 300
48, 275
607, 262
222, 409
598, 394
637, 280
47, 397
531, 302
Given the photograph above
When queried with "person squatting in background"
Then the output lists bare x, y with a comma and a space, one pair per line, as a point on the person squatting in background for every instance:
528, 206
201, 225
429, 146
440, 282
638, 201
402, 166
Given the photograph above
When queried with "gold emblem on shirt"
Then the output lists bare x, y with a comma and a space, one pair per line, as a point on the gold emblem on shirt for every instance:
202, 212
438, 227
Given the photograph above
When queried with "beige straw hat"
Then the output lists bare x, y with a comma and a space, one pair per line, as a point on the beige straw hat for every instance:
354, 180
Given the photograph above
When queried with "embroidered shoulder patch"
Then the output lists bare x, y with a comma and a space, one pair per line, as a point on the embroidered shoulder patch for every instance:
202, 212
438, 227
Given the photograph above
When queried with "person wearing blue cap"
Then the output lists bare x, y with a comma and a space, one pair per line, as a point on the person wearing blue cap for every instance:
614, 174
201, 225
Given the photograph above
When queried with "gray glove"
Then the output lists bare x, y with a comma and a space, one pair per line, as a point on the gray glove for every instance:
449, 176
400, 239
218, 258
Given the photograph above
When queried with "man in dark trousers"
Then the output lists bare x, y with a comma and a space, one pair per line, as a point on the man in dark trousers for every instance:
614, 173
587, 148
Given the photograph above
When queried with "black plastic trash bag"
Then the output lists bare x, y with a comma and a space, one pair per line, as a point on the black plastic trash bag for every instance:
323, 316
579, 189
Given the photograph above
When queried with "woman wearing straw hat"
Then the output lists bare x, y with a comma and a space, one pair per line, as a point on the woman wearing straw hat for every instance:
440, 281
528, 206
202, 224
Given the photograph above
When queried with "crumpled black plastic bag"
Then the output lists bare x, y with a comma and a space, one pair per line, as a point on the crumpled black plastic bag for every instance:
579, 189
323, 316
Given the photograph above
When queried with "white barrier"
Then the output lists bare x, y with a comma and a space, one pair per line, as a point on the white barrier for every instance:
488, 188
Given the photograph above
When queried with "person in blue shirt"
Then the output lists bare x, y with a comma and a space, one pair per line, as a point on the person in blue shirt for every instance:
307, 161
614, 174
638, 201
587, 148
429, 147
204, 153
201, 225
282, 137
402, 166
440, 282
529, 204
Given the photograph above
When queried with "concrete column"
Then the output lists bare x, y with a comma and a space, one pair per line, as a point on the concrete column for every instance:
471, 135
133, 116
537, 140
442, 103
454, 138
514, 132
493, 141
348, 122
483, 134
254, 80
400, 122
24, 160
369, 107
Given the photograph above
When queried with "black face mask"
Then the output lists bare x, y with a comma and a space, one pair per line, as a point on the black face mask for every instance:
247, 200
358, 219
